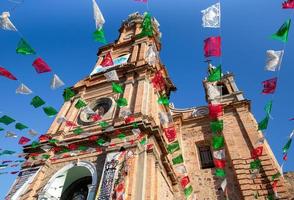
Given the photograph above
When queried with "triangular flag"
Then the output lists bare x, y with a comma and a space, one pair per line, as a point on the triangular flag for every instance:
287, 146
263, 124
60, 120
23, 89
268, 107
255, 153
23, 140
33, 132
121, 102
98, 17
151, 55
215, 110
217, 126
117, 88
224, 184
1, 129
212, 16
170, 133
6, 120
217, 142
212, 46
188, 191
78, 131
99, 36
220, 154
37, 102
107, 60
215, 75
41, 66
147, 28
5, 22
274, 60
24, 48
282, 33
256, 164
173, 147
185, 181
158, 81
111, 76
50, 111
214, 91
10, 134
219, 163
163, 100
68, 93
7, 74
180, 169
269, 86
289, 4
80, 104
220, 172
56, 82
20, 126
178, 159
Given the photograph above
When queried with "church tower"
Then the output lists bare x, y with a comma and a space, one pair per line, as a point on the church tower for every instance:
117, 137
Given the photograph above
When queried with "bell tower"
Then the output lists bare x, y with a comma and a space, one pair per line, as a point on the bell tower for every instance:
107, 143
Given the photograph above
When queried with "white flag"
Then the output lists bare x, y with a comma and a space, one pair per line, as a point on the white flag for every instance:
224, 184
151, 55
87, 110
111, 76
60, 120
56, 82
98, 17
291, 135
274, 60
5, 22
180, 169
219, 154
10, 134
213, 91
260, 141
23, 89
33, 132
46, 148
136, 131
212, 16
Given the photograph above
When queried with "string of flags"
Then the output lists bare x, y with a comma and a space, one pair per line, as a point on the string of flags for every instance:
273, 64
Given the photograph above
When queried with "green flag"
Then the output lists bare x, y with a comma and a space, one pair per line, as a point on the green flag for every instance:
99, 36
80, 104
215, 75
53, 141
121, 136
177, 160
68, 94
24, 48
6, 120
45, 156
276, 175
7, 152
78, 131
217, 142
101, 141
135, 125
163, 100
1, 129
263, 124
35, 144
217, 126
282, 33
20, 126
82, 148
103, 124
256, 164
117, 88
173, 147
50, 111
37, 102
147, 28
143, 141
121, 102
287, 146
271, 197
220, 172
188, 191
268, 107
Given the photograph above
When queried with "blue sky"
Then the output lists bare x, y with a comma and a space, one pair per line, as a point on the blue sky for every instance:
61, 33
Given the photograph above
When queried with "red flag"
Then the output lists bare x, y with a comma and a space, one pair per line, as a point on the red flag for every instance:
96, 117
269, 86
212, 46
288, 4
215, 110
219, 163
185, 181
23, 140
149, 146
107, 60
15, 172
129, 119
70, 124
43, 138
6, 73
98, 150
41, 66
34, 154
93, 138
170, 133
56, 149
255, 153
275, 186
285, 157
158, 81
72, 147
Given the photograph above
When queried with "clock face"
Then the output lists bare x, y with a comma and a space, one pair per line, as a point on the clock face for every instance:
100, 107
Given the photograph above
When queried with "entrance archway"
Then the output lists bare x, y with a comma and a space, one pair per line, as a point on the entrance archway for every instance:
76, 181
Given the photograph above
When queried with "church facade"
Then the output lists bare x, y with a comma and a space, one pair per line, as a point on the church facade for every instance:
122, 152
